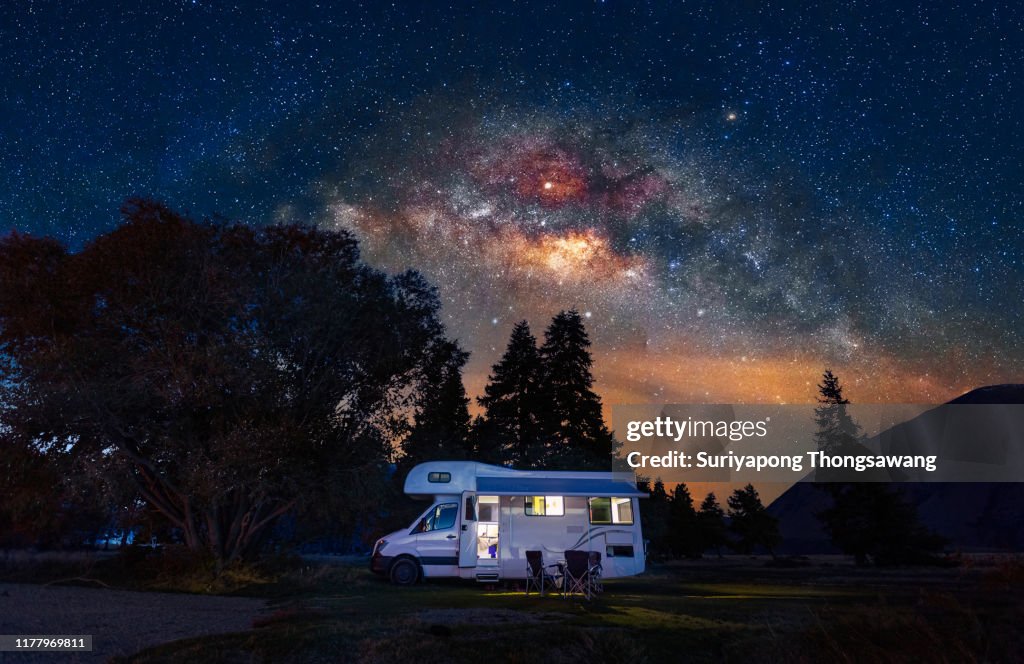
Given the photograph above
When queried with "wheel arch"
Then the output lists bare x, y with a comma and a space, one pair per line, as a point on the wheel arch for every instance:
407, 557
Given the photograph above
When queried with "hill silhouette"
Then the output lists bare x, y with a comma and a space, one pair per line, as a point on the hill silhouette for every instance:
972, 516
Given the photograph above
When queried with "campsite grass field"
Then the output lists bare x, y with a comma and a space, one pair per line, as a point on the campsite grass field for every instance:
734, 609
714, 610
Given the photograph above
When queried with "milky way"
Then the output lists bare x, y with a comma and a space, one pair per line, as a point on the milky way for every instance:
735, 196
700, 277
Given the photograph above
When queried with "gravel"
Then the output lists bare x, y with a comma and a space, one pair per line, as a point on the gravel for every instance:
121, 622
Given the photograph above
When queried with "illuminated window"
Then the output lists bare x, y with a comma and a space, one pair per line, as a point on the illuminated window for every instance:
545, 506
611, 510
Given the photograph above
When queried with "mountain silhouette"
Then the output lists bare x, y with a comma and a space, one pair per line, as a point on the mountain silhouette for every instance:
972, 516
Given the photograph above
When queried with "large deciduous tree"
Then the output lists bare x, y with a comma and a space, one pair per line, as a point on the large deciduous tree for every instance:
231, 373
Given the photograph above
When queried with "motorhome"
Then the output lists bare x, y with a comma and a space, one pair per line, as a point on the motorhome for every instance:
483, 519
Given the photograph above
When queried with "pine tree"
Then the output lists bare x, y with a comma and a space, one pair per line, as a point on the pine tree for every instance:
513, 401
711, 521
484, 442
830, 390
654, 516
750, 523
837, 432
874, 523
441, 423
683, 535
869, 520
573, 418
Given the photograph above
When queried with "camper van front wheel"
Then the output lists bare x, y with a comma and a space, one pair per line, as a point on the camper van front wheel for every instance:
404, 572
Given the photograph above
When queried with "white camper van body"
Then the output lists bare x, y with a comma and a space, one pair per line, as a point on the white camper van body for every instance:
483, 519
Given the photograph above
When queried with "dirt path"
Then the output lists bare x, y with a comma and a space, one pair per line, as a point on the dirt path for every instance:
121, 622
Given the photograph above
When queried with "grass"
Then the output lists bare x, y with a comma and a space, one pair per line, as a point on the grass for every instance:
707, 611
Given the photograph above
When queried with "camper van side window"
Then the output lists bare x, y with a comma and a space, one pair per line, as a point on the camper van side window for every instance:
622, 510
442, 517
600, 510
544, 506
439, 478
611, 510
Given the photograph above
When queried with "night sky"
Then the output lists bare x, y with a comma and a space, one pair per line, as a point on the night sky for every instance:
734, 194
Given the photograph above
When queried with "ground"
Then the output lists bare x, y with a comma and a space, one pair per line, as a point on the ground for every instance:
731, 609
122, 622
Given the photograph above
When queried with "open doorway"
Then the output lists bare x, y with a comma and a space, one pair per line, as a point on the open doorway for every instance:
488, 514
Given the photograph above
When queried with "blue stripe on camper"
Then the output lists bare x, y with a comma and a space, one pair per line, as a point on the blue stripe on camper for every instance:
556, 486
439, 560
600, 531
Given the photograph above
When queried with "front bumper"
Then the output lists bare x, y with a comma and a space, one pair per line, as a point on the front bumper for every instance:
379, 564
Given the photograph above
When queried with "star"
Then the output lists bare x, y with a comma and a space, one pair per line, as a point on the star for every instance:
866, 220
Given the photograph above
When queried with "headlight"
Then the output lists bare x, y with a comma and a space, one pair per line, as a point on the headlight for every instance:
379, 546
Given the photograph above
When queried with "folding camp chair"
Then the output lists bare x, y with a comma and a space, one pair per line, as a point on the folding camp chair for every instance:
576, 575
536, 574
595, 572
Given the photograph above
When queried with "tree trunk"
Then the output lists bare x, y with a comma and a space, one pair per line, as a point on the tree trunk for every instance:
249, 522
232, 528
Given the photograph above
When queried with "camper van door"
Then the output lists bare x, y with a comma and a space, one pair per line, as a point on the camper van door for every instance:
467, 531
436, 541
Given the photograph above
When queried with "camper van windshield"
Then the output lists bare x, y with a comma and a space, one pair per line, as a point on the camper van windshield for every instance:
441, 517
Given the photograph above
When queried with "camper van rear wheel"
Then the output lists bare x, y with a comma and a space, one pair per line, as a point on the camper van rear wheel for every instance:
404, 572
